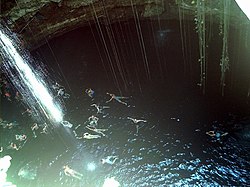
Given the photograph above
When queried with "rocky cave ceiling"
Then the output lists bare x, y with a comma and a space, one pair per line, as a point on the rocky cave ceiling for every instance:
35, 20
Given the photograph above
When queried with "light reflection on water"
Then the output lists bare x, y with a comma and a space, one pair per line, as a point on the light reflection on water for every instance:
153, 158
165, 152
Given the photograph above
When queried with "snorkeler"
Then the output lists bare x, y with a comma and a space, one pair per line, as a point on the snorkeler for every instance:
109, 160
93, 120
100, 131
117, 98
99, 108
89, 136
136, 121
71, 173
90, 92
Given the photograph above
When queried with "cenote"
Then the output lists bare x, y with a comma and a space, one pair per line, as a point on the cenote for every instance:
167, 98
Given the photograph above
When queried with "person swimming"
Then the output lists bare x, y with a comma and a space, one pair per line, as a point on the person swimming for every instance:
67, 124
34, 127
93, 120
109, 160
100, 131
72, 173
137, 121
117, 98
90, 92
217, 135
13, 146
90, 136
99, 108
21, 137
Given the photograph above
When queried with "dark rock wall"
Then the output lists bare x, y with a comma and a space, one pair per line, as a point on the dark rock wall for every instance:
36, 20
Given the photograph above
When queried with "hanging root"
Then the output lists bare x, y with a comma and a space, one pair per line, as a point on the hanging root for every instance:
224, 62
201, 30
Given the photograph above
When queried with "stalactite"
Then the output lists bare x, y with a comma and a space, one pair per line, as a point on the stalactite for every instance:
224, 62
201, 30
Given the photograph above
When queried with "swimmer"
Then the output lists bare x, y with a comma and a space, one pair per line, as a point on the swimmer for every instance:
99, 108
117, 98
136, 121
8, 125
75, 134
72, 173
21, 137
109, 160
93, 120
45, 129
29, 111
1, 149
100, 131
89, 136
216, 134
18, 97
7, 95
90, 92
67, 124
56, 86
34, 127
13, 146
61, 93
211, 133
78, 126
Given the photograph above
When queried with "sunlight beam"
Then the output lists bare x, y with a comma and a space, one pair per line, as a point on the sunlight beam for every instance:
30, 79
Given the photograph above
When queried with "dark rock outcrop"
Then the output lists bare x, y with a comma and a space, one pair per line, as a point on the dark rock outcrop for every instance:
36, 20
